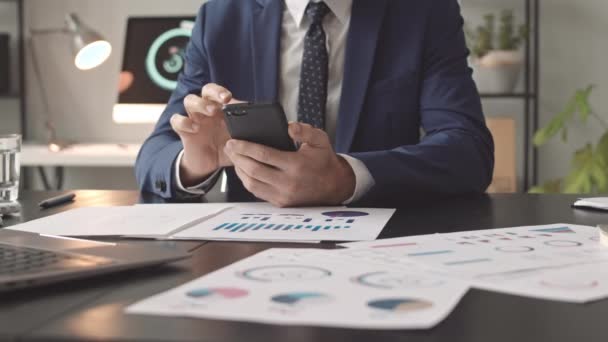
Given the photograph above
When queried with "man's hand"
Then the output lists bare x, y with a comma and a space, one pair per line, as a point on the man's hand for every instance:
203, 133
315, 175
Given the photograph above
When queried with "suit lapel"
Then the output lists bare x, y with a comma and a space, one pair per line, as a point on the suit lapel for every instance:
266, 44
366, 22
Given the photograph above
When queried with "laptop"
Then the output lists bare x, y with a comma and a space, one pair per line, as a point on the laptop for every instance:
31, 260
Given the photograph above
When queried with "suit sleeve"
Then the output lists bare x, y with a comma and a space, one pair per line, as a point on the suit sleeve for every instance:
456, 155
155, 167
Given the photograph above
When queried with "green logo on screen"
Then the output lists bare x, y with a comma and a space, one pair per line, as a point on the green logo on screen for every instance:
166, 57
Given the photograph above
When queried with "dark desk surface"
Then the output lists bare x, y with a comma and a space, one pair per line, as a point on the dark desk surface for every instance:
92, 310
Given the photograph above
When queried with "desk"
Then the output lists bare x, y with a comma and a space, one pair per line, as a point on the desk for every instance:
92, 310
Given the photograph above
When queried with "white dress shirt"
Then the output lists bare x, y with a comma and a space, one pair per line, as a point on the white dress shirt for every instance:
294, 27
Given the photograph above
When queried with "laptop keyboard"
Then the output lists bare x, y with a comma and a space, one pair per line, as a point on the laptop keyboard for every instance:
22, 260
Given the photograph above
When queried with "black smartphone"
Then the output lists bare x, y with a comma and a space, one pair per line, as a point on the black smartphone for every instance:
263, 123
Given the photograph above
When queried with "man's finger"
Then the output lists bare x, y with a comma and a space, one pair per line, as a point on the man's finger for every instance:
306, 134
235, 101
259, 189
255, 169
263, 154
196, 106
193, 105
216, 93
182, 124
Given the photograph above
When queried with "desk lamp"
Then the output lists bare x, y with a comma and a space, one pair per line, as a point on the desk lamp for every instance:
89, 50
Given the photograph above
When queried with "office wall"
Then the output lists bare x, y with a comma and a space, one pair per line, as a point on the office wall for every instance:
9, 106
81, 102
573, 47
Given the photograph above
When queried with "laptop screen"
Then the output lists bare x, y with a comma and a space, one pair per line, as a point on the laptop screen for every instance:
153, 59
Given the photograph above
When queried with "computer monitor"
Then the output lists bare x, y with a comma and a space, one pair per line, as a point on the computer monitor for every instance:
153, 59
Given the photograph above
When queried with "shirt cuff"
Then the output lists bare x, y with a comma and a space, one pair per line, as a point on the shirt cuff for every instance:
201, 189
364, 181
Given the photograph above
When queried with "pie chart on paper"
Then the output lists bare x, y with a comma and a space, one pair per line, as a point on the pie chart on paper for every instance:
301, 298
400, 305
217, 292
345, 213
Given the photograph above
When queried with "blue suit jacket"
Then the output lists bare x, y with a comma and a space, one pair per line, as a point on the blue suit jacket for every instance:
405, 69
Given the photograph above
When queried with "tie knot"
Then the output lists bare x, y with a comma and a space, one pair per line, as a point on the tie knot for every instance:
316, 11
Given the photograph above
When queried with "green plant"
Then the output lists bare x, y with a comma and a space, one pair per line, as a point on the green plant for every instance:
507, 38
483, 39
589, 170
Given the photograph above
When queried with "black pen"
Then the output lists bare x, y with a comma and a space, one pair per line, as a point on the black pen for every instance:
57, 201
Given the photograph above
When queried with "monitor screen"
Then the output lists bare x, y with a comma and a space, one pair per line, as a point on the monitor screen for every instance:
153, 59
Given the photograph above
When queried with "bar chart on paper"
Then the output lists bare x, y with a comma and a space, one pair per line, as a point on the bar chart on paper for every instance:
265, 223
293, 221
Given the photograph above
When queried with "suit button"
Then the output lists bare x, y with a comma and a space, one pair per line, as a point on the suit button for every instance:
161, 185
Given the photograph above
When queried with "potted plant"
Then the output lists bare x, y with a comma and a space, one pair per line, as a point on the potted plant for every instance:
589, 171
496, 57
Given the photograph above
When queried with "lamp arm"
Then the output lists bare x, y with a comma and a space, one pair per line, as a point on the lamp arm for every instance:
50, 127
46, 32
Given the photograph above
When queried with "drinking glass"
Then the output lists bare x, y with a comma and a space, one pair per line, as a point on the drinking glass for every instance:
10, 147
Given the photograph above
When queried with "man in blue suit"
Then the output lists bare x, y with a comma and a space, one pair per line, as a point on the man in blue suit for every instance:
359, 79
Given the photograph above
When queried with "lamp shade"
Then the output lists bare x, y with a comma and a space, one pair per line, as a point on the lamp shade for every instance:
90, 48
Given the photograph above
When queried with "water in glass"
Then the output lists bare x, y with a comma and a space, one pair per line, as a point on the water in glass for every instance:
10, 147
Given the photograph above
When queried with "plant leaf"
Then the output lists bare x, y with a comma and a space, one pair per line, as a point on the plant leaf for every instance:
580, 179
599, 177
556, 124
602, 147
600, 172
550, 187
582, 102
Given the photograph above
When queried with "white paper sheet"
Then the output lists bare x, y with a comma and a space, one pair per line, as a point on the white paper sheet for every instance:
576, 284
393, 244
263, 222
146, 221
599, 203
525, 249
477, 254
511, 260
314, 287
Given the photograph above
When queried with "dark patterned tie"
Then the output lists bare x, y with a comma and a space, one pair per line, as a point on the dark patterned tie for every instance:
314, 75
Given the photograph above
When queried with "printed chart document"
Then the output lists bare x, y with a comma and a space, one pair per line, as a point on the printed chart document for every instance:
144, 221
314, 287
404, 283
209, 221
557, 262
263, 222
